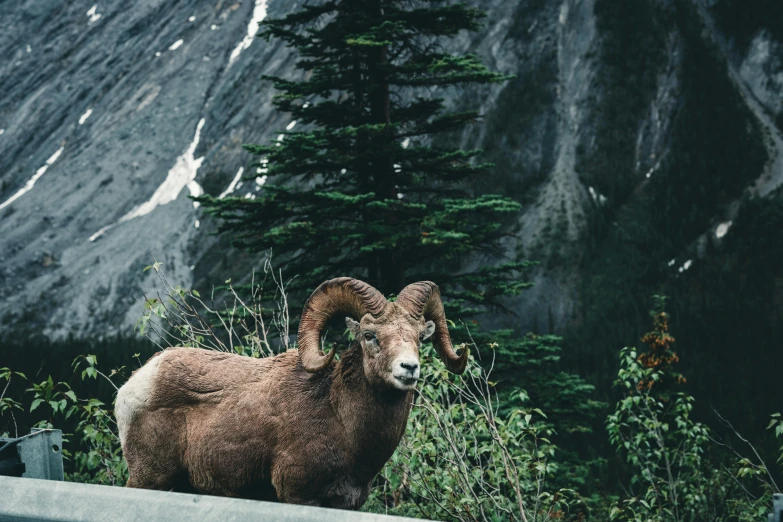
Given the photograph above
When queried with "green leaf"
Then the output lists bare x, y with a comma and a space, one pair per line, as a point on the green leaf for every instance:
155, 266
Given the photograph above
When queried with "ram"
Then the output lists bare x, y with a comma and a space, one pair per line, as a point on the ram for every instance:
298, 427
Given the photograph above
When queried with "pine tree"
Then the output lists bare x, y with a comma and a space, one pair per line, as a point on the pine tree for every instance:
370, 187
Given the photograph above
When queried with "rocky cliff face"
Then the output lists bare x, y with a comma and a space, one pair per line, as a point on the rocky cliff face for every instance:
631, 133
110, 117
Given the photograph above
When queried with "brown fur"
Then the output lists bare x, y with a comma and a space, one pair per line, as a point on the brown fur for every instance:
269, 429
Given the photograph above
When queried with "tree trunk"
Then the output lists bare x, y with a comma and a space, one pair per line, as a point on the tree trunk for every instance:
390, 273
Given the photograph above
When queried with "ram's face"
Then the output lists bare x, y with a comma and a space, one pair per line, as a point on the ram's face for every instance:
391, 346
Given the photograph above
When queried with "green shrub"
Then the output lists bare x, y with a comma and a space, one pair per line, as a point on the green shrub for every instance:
677, 471
9, 404
467, 455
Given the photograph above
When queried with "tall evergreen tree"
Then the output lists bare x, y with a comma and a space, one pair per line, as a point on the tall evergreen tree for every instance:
370, 187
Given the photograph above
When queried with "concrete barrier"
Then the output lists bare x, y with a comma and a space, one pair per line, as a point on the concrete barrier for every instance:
27, 500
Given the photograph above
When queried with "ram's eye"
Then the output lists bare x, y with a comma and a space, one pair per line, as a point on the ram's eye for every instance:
368, 336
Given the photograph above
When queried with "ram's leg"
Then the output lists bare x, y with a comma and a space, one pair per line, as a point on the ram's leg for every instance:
293, 484
151, 448
344, 494
147, 472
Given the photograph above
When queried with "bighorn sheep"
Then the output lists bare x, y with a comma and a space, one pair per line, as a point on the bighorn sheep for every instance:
296, 428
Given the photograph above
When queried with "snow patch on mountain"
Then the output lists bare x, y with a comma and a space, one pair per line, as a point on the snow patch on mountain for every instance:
259, 13
93, 14
31, 182
181, 175
233, 185
84, 116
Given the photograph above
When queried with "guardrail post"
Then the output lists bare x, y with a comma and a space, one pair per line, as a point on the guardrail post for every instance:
37, 455
777, 508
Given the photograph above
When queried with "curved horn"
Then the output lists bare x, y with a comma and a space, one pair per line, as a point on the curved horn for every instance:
423, 299
343, 294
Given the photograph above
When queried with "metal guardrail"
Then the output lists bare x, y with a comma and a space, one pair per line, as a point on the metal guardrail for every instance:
28, 500
25, 497
37, 455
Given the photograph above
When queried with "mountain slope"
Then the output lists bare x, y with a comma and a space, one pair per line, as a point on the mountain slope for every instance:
134, 111
633, 134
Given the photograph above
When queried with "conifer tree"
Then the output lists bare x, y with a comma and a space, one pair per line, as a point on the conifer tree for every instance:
369, 187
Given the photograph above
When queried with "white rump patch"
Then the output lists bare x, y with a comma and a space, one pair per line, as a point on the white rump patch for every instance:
134, 394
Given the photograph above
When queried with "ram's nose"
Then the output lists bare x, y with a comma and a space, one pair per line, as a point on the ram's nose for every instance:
405, 371
411, 367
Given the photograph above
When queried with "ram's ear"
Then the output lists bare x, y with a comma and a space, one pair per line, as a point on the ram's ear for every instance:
353, 326
429, 329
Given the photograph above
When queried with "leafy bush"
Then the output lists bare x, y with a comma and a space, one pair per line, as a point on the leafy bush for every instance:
663, 445
256, 325
8, 404
95, 456
473, 452
674, 476
776, 424
478, 447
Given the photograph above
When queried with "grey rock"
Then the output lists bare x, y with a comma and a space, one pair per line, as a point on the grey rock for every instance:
100, 104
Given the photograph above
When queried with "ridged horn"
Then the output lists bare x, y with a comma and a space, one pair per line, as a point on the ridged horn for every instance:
422, 299
341, 295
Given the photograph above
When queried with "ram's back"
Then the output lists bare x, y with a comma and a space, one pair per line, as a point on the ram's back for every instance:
195, 376
184, 378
